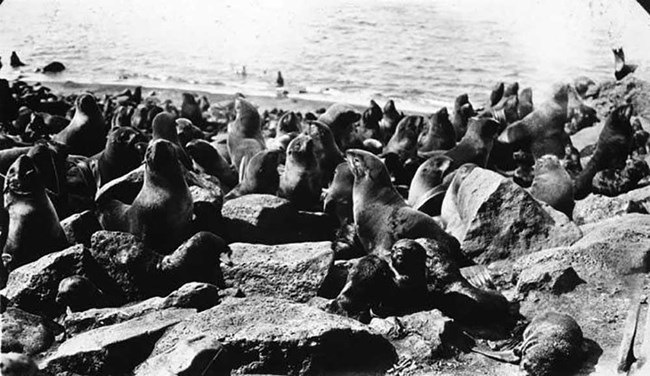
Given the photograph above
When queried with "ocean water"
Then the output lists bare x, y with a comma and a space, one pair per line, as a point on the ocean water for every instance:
422, 53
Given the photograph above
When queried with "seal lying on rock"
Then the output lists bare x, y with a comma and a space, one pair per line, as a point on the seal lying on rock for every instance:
380, 214
552, 344
161, 213
34, 228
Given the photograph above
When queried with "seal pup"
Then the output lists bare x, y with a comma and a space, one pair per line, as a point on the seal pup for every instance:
14, 60
621, 68
260, 175
209, 161
612, 149
300, 181
381, 215
244, 133
391, 117
86, 133
463, 110
161, 213
553, 185
327, 151
438, 133
34, 228
78, 294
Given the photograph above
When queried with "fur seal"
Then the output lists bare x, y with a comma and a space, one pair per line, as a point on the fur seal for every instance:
404, 142
580, 115
621, 68
496, 94
164, 128
425, 185
380, 214
9, 108
260, 175
286, 129
341, 119
86, 133
122, 116
389, 120
244, 134
639, 139
279, 81
121, 155
542, 131
463, 110
612, 149
187, 131
338, 198
34, 228
190, 110
553, 185
211, 162
79, 294
585, 87
327, 151
612, 182
368, 125
300, 181
525, 102
161, 213
14, 60
438, 133
53, 67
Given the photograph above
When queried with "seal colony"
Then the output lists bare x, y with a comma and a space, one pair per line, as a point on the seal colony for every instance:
378, 179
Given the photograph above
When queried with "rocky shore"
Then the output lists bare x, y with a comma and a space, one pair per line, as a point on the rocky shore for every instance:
277, 282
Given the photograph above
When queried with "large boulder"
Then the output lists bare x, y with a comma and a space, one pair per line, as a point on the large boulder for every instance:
292, 271
270, 335
80, 227
195, 295
268, 219
494, 218
201, 355
33, 287
610, 249
595, 207
115, 349
25, 333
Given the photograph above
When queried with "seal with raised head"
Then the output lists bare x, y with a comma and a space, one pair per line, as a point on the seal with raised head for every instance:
34, 228
553, 185
327, 151
341, 118
391, 117
190, 110
404, 142
621, 68
245, 137
612, 149
368, 125
380, 214
300, 181
164, 128
161, 213
15, 61
463, 110
86, 133
438, 133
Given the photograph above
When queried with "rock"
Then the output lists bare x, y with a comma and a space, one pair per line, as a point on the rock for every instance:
80, 227
549, 276
33, 287
114, 349
131, 266
494, 218
205, 188
195, 296
612, 248
291, 271
200, 355
25, 333
15, 364
268, 219
596, 207
270, 335
422, 336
